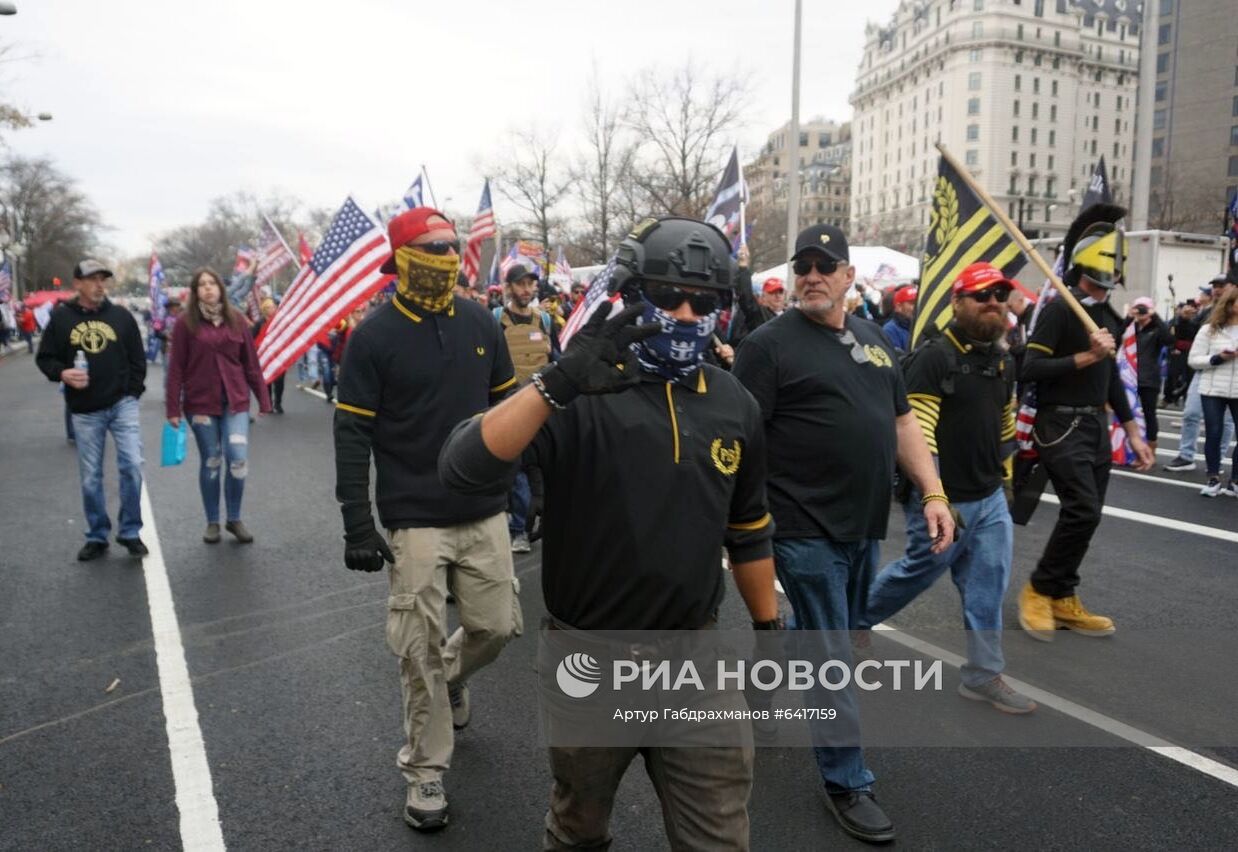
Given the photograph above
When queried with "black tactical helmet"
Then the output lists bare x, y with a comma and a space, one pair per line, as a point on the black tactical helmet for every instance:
675, 250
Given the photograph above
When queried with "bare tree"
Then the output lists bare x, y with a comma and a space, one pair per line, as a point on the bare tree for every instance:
44, 211
1186, 203
533, 178
605, 164
683, 122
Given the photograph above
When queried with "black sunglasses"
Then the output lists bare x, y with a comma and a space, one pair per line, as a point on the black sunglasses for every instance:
1002, 294
668, 297
439, 247
824, 265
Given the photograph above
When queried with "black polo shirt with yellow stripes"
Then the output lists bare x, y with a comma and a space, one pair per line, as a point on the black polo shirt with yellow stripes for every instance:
643, 490
408, 377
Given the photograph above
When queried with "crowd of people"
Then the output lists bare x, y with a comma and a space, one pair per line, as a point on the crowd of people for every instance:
715, 419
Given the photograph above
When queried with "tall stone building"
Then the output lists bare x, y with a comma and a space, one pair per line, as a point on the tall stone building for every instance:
1028, 94
1194, 96
822, 160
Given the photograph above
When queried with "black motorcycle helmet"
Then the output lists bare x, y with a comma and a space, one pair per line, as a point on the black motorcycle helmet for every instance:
675, 250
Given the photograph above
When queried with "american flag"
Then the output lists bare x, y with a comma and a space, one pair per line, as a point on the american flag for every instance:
6, 281
158, 301
1128, 370
412, 195
563, 269
508, 262
273, 253
481, 230
597, 294
343, 272
1025, 419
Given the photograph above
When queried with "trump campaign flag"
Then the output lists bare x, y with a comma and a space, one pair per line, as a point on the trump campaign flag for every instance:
342, 272
1128, 371
273, 253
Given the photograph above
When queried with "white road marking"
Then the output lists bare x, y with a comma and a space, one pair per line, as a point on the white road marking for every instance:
1163, 480
1157, 745
1167, 523
191, 774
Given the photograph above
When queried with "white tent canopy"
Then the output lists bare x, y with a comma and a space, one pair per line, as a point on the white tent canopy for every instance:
876, 265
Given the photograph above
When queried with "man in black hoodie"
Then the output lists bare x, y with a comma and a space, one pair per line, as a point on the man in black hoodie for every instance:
102, 397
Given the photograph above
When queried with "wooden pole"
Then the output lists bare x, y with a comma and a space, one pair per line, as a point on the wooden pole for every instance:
1021, 241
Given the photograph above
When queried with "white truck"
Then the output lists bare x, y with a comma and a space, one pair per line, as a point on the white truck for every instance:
1168, 266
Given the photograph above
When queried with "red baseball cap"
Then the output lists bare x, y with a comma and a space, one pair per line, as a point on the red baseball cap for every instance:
980, 276
903, 295
773, 285
408, 226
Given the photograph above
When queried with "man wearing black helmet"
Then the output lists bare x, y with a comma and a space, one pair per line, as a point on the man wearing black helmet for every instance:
1075, 376
653, 462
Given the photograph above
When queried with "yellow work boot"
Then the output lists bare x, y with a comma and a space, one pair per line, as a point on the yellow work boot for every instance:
1071, 613
1036, 614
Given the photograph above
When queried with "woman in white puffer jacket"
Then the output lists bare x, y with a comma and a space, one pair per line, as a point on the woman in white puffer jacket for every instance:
1215, 355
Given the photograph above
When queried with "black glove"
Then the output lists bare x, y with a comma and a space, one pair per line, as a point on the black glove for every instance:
599, 358
364, 548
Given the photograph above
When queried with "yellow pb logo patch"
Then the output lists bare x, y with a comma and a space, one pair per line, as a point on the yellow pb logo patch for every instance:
878, 356
92, 336
481, 350
724, 458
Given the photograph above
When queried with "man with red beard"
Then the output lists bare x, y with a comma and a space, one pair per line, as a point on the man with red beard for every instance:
961, 388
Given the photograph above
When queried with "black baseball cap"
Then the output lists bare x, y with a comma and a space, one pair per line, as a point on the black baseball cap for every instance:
827, 239
87, 268
520, 271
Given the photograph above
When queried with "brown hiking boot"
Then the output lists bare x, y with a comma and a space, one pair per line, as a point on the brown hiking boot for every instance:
1036, 614
1071, 613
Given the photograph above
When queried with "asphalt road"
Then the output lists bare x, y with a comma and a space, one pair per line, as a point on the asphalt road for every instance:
298, 702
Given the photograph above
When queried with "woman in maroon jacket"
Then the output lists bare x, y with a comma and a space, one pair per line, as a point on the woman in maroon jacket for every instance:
213, 369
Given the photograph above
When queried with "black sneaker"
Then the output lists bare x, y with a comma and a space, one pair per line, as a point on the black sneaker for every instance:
134, 546
91, 550
1180, 464
859, 815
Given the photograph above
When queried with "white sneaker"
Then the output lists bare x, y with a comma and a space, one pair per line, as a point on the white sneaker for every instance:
1230, 490
425, 808
520, 544
1212, 489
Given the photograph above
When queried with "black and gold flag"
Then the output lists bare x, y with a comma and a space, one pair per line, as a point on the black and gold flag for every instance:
961, 232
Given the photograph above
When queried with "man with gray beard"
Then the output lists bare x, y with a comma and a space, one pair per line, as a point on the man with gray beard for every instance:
961, 389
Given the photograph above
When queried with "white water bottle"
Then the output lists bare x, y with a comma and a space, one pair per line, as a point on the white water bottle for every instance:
80, 363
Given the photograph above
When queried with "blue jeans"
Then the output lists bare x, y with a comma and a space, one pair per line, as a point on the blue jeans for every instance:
121, 419
827, 583
1218, 410
327, 371
222, 438
979, 564
518, 505
1192, 414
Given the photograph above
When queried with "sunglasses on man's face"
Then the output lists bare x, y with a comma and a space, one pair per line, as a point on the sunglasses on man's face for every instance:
1002, 294
824, 265
439, 247
668, 297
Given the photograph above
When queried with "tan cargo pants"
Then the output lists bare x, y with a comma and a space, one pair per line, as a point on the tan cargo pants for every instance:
485, 590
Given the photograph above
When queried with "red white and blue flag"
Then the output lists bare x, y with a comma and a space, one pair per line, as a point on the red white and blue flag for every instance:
273, 253
597, 296
482, 229
563, 269
155, 282
732, 194
343, 272
508, 262
6, 281
1128, 370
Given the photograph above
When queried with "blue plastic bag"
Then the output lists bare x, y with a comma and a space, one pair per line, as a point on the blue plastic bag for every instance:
173, 448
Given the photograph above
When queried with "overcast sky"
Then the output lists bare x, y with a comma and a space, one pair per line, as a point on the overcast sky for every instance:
161, 105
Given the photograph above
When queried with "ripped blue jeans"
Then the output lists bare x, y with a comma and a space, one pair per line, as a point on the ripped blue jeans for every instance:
223, 447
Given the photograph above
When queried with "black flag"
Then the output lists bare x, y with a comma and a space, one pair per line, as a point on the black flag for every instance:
1098, 187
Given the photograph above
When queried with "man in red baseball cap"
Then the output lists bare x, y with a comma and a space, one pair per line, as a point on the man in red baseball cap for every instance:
898, 326
961, 387
415, 368
773, 297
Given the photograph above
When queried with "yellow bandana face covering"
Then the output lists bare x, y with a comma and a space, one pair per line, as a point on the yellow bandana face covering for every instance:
426, 279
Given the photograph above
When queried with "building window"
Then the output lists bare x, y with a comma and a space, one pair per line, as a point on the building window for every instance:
1162, 63
1233, 166
1158, 146
973, 132
1018, 32
1053, 87
973, 106
1050, 162
1035, 85
978, 5
803, 140
1018, 56
1014, 185
1015, 107
1053, 112
1049, 187
1033, 135
1014, 158
1031, 161
1038, 8
1014, 133
1233, 135
1036, 60
973, 56
1057, 39
1035, 110
1018, 82
1166, 7
973, 81
1162, 34
1234, 111
1061, 7
1052, 139
1057, 63
977, 30
973, 157
1162, 89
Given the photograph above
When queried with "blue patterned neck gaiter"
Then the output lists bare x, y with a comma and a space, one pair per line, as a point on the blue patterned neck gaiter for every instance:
677, 351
